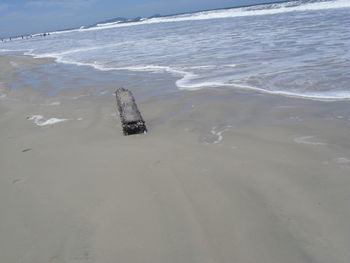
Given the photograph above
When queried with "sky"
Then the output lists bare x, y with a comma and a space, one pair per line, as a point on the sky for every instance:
20, 17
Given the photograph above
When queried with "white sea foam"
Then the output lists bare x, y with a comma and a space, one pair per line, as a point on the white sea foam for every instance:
60, 55
185, 84
342, 160
39, 120
54, 103
306, 140
231, 66
153, 68
108, 24
201, 67
219, 133
5, 50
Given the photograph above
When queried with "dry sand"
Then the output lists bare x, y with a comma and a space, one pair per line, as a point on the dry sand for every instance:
222, 176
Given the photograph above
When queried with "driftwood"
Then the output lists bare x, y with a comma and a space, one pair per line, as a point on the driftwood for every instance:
130, 116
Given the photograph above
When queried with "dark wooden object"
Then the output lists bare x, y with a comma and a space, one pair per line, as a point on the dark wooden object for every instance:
130, 116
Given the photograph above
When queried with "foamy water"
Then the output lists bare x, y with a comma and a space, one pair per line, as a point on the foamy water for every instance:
297, 49
308, 140
40, 121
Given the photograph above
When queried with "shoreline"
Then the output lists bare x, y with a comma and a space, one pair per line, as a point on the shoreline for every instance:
171, 74
222, 175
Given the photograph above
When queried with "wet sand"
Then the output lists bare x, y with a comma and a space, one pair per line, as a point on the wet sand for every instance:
221, 176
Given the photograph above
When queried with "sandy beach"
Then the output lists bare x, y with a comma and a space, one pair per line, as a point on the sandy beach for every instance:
223, 175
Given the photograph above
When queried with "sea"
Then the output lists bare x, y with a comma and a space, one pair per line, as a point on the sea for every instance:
296, 48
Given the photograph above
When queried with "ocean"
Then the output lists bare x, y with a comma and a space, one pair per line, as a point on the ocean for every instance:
295, 49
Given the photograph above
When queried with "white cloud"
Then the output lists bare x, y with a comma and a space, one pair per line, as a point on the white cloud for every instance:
60, 3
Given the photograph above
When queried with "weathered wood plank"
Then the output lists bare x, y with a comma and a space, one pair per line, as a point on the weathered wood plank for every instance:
130, 116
